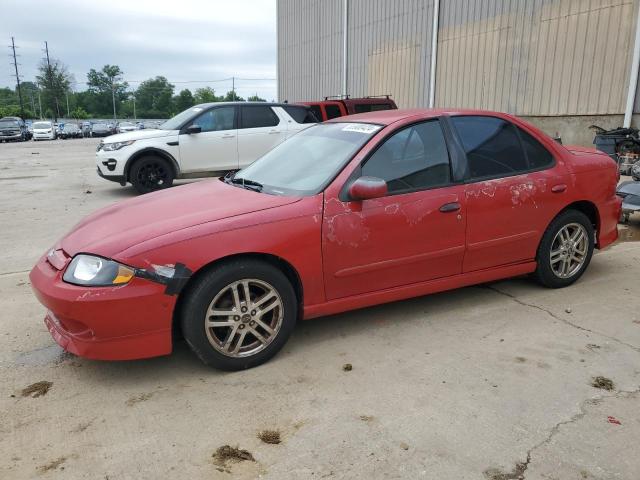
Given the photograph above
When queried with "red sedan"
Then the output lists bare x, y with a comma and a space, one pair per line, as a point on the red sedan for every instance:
359, 211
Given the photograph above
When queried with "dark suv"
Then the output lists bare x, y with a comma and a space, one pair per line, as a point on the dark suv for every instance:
13, 128
333, 107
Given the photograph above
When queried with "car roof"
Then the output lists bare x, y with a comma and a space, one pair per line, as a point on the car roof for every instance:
387, 117
270, 104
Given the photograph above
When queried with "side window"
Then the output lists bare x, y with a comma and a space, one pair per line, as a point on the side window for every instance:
216, 119
371, 107
333, 111
538, 156
413, 158
258, 117
492, 146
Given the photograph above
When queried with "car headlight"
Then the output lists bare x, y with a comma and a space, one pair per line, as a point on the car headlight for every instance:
109, 147
95, 271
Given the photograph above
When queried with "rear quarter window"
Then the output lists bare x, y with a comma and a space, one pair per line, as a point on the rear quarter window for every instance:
538, 156
301, 114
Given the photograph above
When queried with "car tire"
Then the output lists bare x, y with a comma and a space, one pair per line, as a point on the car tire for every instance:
565, 250
151, 173
255, 329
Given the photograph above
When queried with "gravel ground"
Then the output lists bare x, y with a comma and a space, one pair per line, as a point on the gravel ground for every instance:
493, 381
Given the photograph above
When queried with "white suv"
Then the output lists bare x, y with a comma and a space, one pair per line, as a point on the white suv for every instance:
205, 140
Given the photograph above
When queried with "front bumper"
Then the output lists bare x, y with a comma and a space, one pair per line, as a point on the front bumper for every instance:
17, 136
105, 323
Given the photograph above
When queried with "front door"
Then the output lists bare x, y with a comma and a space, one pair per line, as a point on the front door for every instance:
415, 233
215, 148
513, 192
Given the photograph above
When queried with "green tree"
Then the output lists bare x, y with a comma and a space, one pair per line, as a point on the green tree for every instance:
255, 98
206, 95
79, 113
183, 100
106, 85
232, 96
153, 98
54, 80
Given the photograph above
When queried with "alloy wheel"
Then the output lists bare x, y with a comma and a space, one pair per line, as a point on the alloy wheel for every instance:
569, 250
244, 318
152, 175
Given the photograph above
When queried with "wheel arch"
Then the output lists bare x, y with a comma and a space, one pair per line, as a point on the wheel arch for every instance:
588, 208
278, 262
151, 151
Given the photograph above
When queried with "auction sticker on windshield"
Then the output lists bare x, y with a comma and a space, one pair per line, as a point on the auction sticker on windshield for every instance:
361, 128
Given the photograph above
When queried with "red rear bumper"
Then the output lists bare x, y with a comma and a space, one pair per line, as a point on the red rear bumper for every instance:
105, 323
609, 217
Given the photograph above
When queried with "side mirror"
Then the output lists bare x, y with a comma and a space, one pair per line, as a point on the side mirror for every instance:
365, 188
193, 129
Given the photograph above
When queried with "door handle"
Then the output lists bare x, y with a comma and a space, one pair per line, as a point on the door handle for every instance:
450, 207
273, 131
228, 136
559, 188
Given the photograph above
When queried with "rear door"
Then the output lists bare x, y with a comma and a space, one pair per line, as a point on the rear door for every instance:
260, 130
513, 191
215, 148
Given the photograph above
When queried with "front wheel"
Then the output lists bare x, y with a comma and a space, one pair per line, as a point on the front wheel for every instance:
239, 314
565, 250
151, 173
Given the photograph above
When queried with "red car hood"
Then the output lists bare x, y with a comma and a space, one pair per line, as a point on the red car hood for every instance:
125, 224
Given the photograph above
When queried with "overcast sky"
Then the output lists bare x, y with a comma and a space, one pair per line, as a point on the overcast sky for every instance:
185, 40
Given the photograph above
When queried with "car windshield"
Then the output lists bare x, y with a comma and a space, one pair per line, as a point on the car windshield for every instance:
70, 127
176, 122
8, 123
41, 125
126, 124
308, 161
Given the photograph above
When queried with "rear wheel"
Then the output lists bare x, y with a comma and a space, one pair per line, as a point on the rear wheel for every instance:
565, 250
239, 315
151, 173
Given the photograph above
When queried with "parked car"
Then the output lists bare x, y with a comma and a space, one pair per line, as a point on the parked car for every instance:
13, 129
86, 129
100, 129
339, 107
126, 127
629, 191
70, 130
44, 130
349, 213
208, 139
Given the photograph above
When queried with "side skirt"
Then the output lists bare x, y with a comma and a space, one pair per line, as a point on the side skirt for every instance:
416, 290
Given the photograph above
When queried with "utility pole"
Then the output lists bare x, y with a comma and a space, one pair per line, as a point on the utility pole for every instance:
134, 106
113, 99
40, 104
66, 94
233, 88
15, 65
55, 96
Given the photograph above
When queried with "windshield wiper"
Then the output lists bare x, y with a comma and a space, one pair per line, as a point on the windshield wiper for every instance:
248, 184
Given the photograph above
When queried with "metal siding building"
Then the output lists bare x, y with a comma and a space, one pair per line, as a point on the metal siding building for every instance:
543, 59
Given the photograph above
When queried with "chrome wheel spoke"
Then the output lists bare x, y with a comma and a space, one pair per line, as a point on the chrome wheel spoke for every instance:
239, 343
259, 336
229, 340
265, 327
